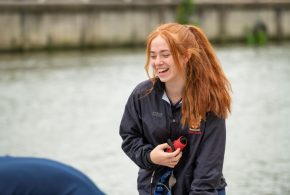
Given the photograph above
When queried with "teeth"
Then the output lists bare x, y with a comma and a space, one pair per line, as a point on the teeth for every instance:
163, 70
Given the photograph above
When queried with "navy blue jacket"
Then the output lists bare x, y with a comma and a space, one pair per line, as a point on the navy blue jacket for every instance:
149, 120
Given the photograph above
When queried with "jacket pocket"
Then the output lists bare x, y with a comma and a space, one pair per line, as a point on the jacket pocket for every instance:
188, 178
143, 181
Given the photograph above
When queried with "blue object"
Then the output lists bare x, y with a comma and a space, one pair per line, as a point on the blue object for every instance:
222, 192
162, 187
36, 176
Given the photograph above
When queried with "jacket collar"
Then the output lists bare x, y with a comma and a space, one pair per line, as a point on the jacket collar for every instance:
159, 85
160, 88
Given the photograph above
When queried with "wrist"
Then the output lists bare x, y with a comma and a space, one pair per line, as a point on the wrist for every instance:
149, 157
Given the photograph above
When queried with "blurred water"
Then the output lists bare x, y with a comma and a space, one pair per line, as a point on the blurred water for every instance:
68, 106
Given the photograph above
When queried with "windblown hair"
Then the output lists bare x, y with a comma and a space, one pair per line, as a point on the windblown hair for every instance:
206, 87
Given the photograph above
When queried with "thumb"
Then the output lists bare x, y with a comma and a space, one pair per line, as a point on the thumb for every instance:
176, 152
163, 146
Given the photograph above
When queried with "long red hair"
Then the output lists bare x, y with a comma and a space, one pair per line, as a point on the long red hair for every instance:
206, 86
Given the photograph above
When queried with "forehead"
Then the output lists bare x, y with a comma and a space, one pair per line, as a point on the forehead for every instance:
159, 44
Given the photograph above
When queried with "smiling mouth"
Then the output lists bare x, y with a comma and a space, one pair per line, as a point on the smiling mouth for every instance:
163, 71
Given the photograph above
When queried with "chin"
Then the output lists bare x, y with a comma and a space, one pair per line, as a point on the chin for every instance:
162, 79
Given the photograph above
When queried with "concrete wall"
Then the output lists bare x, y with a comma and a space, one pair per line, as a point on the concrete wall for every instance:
51, 24
230, 22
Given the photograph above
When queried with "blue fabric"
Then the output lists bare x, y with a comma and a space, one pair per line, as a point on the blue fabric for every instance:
222, 192
162, 187
35, 176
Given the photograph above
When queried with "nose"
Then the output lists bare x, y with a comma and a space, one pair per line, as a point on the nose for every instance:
158, 61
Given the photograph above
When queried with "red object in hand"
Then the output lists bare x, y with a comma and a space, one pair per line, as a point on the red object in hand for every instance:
181, 142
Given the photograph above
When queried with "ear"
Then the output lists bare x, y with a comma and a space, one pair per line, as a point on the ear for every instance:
185, 58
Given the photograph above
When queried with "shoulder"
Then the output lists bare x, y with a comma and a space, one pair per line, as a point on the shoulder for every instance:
143, 88
211, 116
214, 122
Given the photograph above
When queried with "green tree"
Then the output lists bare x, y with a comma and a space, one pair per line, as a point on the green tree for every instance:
184, 10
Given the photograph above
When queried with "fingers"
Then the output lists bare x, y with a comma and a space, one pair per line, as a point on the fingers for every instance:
172, 162
177, 158
176, 152
174, 158
173, 154
163, 146
160, 157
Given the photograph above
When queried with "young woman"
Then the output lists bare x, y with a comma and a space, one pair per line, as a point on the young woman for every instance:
187, 95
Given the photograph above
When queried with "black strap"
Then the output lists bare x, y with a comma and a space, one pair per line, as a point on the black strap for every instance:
170, 144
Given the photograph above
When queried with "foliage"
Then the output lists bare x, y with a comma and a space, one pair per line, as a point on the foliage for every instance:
184, 11
258, 35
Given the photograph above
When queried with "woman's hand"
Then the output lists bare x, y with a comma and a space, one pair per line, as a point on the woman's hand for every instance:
160, 157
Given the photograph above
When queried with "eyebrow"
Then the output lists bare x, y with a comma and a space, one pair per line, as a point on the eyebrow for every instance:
165, 50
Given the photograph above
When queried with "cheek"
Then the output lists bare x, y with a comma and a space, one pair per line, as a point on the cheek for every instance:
153, 68
174, 69
171, 62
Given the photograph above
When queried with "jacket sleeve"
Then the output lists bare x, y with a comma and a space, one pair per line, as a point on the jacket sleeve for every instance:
207, 173
131, 131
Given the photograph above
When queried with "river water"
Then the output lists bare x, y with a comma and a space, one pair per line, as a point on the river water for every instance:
67, 106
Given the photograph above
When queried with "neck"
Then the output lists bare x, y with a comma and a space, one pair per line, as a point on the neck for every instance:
174, 91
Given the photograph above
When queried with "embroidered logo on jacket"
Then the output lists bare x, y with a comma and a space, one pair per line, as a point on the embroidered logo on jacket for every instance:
157, 114
194, 130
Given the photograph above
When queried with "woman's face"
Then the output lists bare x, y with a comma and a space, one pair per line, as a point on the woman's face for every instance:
162, 61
